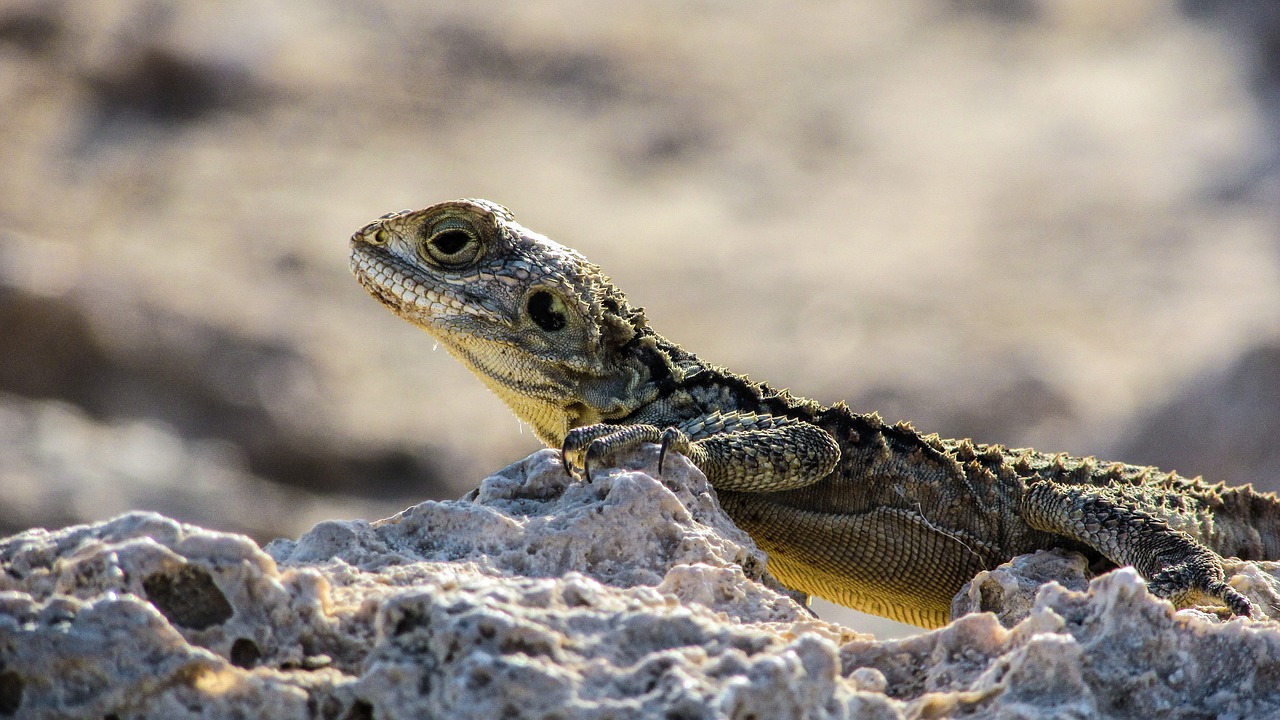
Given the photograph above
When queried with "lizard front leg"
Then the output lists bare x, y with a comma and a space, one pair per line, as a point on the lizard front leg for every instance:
743, 452
1171, 560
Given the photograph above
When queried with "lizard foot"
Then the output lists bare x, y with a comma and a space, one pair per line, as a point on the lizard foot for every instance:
593, 444
1176, 582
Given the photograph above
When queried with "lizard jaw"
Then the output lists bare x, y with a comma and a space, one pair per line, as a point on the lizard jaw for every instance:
410, 293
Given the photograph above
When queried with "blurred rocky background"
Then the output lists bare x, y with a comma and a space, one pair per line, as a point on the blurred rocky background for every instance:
1052, 223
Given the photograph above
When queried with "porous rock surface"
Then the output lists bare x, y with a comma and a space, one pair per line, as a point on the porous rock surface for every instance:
541, 596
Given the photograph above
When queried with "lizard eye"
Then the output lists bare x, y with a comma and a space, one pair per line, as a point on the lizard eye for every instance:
548, 311
451, 243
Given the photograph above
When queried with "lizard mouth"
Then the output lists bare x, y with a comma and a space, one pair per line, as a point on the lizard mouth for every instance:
412, 294
402, 287
373, 268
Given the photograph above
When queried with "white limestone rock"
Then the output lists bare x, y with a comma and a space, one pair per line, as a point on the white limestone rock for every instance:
538, 596
1112, 651
1010, 590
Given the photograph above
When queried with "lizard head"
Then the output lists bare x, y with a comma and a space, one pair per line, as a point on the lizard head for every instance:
539, 324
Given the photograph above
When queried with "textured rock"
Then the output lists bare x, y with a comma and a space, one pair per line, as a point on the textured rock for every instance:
1039, 271
1113, 651
539, 596
1010, 590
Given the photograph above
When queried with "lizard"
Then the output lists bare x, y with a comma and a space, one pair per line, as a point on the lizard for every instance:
875, 516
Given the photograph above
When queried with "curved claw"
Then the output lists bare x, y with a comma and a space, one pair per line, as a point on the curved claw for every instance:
598, 448
564, 459
581, 440
672, 439
586, 464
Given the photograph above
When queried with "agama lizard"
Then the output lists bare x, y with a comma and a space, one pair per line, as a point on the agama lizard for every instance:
874, 516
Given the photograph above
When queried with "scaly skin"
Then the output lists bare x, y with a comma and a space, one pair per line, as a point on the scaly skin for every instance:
876, 517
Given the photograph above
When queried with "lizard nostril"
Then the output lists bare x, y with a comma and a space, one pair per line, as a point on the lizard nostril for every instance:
371, 234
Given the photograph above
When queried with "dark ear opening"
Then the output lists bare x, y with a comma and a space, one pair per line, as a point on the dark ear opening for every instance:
547, 311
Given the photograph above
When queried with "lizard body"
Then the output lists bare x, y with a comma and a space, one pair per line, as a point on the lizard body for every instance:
874, 516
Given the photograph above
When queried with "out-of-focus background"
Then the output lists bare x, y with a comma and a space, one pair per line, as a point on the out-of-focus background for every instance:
1052, 223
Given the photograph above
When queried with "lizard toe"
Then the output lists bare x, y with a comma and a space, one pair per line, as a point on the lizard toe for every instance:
574, 449
1235, 601
1178, 582
673, 438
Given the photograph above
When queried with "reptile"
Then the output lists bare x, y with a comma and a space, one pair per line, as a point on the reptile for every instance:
875, 516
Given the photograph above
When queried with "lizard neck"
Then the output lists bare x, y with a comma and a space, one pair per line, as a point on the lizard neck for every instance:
635, 376
639, 373
680, 386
